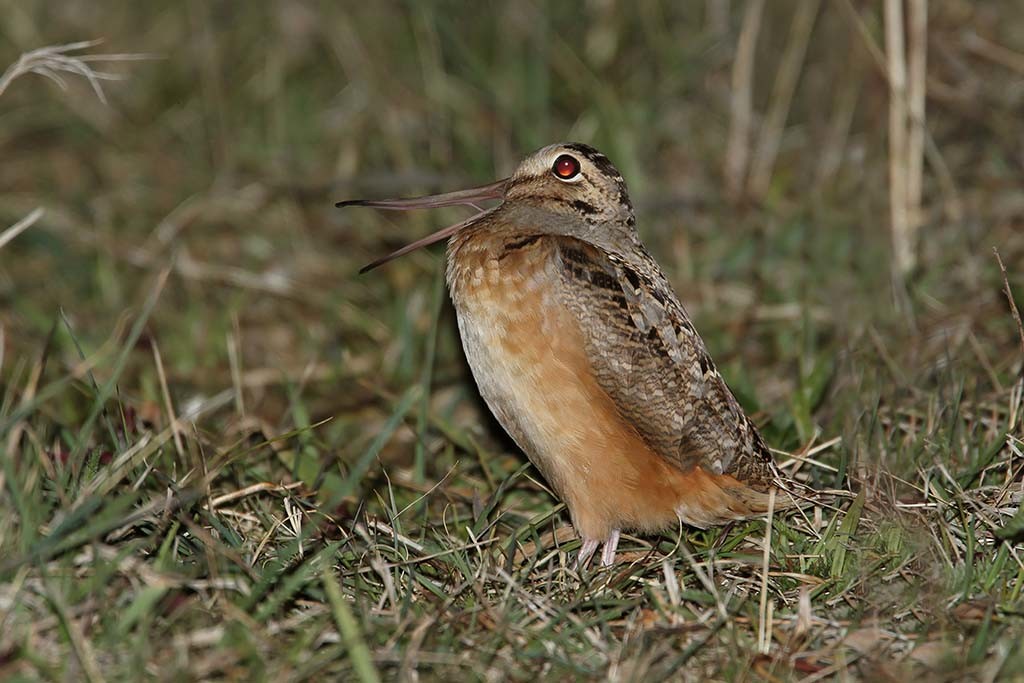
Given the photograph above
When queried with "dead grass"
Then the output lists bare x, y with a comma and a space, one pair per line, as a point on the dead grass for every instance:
227, 456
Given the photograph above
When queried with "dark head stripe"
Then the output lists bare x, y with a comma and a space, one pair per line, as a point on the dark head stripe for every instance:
603, 164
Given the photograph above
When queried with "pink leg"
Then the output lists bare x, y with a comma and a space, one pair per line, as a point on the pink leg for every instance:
586, 550
608, 552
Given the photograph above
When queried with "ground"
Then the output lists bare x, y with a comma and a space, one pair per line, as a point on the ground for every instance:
228, 456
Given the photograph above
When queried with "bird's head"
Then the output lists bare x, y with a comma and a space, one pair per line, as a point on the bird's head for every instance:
565, 189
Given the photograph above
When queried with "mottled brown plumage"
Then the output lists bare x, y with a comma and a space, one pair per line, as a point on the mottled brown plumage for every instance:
586, 357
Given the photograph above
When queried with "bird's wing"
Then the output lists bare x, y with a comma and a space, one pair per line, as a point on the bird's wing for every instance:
646, 354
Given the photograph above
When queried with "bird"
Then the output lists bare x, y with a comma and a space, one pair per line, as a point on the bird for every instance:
586, 357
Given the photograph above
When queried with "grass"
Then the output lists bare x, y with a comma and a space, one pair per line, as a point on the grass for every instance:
228, 456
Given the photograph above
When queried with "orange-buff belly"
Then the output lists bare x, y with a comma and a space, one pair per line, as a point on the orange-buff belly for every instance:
527, 355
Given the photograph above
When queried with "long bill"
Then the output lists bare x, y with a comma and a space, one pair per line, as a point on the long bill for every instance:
468, 197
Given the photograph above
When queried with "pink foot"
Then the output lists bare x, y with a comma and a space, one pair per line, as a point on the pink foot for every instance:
586, 550
589, 547
608, 552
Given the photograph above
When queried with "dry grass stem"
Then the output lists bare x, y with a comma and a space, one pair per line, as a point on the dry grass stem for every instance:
906, 126
20, 227
165, 393
899, 160
737, 151
764, 629
56, 61
1008, 291
786, 78
1000, 54
917, 78
235, 363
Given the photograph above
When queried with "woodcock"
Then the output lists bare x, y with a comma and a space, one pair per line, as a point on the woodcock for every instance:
584, 354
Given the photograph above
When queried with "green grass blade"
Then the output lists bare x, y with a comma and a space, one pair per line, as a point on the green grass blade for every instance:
351, 635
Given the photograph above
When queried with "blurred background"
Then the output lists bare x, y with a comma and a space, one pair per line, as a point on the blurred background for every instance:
756, 139
823, 182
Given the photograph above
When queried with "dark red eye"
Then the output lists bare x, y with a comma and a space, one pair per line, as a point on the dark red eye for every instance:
566, 167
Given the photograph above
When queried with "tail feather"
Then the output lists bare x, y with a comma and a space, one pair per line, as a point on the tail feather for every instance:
721, 499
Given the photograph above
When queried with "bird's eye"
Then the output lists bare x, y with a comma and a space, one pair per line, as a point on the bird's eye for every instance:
566, 167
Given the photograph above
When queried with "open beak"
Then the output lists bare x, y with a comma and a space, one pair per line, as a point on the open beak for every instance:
468, 197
